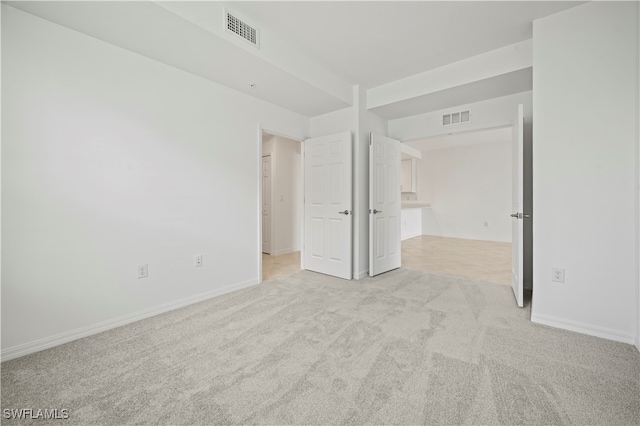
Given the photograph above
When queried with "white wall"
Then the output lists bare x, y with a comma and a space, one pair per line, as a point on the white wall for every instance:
286, 189
585, 170
467, 186
111, 160
484, 115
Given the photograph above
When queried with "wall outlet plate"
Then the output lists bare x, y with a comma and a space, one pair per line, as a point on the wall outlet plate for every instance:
557, 275
197, 260
143, 270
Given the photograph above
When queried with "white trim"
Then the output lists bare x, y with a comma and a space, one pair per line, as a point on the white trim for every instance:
259, 169
362, 274
482, 128
418, 234
79, 333
285, 251
637, 342
584, 328
411, 151
300, 139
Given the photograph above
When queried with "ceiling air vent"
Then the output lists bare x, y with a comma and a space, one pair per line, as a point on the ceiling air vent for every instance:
240, 28
459, 117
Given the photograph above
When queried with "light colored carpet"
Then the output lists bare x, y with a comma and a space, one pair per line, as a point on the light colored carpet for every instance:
406, 347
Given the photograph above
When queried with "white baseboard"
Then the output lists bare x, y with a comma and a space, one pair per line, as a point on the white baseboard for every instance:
69, 336
284, 251
584, 328
362, 274
408, 236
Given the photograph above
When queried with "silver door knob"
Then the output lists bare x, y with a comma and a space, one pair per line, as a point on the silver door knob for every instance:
514, 215
346, 212
376, 211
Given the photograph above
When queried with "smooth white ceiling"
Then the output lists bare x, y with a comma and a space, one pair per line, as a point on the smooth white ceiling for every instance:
327, 45
371, 43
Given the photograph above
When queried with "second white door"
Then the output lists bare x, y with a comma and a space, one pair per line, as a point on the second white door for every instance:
517, 201
384, 204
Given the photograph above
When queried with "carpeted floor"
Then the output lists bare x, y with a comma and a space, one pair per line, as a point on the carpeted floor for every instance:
406, 347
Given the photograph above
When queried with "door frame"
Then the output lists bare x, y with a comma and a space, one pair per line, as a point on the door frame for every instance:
258, 168
502, 124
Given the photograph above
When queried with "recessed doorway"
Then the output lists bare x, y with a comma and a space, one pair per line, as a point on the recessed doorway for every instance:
282, 192
456, 220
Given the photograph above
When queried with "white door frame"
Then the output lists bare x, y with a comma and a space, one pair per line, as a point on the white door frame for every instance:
500, 125
300, 139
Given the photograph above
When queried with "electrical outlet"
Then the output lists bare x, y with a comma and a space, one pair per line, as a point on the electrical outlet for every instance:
143, 270
197, 261
557, 275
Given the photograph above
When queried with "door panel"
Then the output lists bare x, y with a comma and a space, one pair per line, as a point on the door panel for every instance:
328, 196
266, 204
517, 185
384, 204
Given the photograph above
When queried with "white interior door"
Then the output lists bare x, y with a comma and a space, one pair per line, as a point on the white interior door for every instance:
327, 205
384, 204
266, 204
517, 228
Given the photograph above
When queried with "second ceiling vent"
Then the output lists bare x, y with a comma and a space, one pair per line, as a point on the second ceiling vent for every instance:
240, 28
456, 118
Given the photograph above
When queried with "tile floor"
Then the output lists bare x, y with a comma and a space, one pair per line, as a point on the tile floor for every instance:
279, 266
480, 260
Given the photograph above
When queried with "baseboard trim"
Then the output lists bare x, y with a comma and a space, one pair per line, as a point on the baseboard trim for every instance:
285, 251
362, 274
79, 333
406, 237
584, 328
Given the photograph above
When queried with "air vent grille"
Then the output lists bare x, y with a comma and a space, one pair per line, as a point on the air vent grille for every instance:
241, 28
459, 117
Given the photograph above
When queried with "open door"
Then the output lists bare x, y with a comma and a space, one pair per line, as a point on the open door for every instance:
384, 204
517, 228
327, 205
266, 204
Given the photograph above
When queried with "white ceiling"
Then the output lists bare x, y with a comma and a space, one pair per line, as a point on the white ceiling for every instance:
375, 42
313, 51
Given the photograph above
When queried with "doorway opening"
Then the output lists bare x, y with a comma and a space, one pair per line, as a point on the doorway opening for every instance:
455, 217
281, 205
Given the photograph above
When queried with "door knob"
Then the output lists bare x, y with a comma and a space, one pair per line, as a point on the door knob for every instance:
346, 212
514, 215
376, 211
